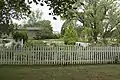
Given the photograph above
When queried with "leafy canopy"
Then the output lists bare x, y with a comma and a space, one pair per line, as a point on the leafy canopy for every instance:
11, 9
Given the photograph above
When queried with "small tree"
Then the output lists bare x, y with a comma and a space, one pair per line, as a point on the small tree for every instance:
20, 35
70, 36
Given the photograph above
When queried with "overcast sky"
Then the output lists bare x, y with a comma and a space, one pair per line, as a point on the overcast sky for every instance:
56, 24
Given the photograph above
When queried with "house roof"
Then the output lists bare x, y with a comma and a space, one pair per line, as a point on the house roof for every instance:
29, 28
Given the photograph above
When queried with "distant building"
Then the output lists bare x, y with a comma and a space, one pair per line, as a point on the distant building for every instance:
31, 31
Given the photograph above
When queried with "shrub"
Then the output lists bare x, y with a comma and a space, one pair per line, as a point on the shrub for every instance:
19, 36
90, 39
56, 36
38, 42
28, 43
70, 36
118, 40
24, 37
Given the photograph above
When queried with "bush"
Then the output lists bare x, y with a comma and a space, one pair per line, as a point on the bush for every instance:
56, 36
44, 34
19, 36
118, 40
90, 39
38, 42
70, 36
28, 43
24, 37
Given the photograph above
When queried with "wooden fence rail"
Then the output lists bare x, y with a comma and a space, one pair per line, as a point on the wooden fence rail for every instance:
54, 55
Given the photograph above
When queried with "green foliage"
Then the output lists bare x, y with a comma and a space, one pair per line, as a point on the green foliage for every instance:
30, 43
20, 35
34, 19
101, 16
96, 12
6, 29
90, 39
70, 36
17, 9
118, 40
86, 34
104, 41
44, 34
38, 42
24, 37
65, 25
56, 36
79, 30
59, 6
45, 28
11, 9
16, 36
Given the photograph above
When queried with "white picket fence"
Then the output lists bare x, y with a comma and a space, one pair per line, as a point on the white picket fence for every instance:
59, 55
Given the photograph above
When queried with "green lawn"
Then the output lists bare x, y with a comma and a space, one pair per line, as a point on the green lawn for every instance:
85, 72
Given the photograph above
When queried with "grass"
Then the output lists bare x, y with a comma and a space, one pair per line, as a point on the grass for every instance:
85, 72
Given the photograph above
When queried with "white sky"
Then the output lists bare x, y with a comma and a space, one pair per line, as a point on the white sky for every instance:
56, 24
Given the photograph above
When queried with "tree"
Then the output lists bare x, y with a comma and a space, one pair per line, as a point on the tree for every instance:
65, 25
115, 34
94, 15
79, 28
12, 9
86, 34
102, 16
4, 29
58, 7
17, 9
112, 23
71, 16
45, 31
94, 10
70, 36
34, 19
45, 28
